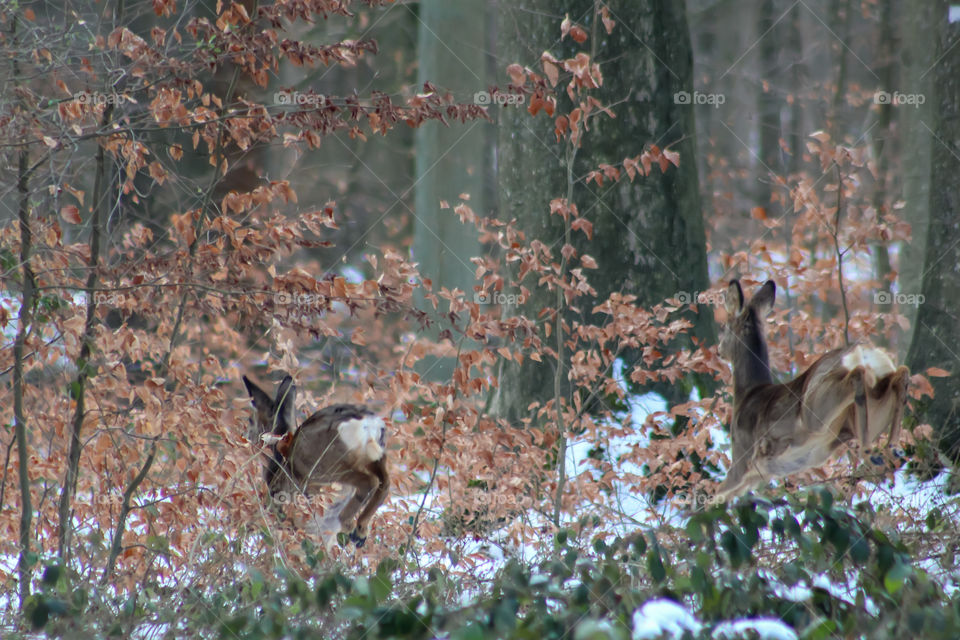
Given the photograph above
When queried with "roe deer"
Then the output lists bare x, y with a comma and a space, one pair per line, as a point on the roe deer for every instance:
778, 429
342, 443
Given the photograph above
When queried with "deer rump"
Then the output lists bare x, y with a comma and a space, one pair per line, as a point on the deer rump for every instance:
851, 393
342, 443
334, 443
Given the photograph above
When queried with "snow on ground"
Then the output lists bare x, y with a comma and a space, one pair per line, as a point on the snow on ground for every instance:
764, 628
908, 493
667, 619
660, 618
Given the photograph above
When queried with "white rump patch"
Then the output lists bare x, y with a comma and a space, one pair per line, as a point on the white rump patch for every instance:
362, 436
874, 360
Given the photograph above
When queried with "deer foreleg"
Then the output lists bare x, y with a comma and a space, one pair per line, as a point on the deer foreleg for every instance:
898, 384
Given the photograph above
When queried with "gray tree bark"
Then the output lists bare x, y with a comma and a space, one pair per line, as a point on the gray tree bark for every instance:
648, 235
451, 160
768, 103
937, 333
921, 18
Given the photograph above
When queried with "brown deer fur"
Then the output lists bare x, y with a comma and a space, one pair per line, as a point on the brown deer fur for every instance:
779, 429
342, 443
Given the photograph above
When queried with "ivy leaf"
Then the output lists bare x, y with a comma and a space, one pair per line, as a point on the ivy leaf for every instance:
895, 577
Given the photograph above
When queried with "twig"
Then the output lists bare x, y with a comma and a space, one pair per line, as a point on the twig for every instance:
201, 217
558, 373
6, 464
433, 472
836, 245
117, 545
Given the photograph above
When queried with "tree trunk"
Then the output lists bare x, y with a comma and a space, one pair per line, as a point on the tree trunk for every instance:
648, 235
841, 11
768, 104
451, 160
883, 149
937, 331
921, 18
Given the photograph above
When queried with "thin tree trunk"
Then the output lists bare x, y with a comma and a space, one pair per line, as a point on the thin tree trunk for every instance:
841, 11
104, 194
24, 323
768, 105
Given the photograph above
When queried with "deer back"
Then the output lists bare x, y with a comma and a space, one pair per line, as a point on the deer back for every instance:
789, 427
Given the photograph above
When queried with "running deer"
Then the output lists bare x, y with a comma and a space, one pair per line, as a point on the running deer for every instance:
342, 443
854, 393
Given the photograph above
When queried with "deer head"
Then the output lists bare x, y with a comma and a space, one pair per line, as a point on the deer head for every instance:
742, 342
271, 416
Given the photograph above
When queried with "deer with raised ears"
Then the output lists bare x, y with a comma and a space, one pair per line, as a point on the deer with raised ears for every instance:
854, 393
342, 443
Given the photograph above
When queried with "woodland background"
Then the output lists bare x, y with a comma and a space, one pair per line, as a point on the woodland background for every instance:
507, 227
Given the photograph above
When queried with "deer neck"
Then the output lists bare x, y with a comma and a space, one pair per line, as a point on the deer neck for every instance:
752, 364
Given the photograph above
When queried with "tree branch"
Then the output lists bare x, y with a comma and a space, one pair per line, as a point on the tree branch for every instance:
836, 246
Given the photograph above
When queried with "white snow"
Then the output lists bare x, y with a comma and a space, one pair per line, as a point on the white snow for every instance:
663, 618
764, 628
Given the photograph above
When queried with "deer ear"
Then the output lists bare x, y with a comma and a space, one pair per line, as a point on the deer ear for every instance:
286, 396
734, 299
763, 300
260, 398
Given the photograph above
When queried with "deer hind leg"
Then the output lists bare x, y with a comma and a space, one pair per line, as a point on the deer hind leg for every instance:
743, 474
380, 491
329, 526
733, 487
366, 483
889, 399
